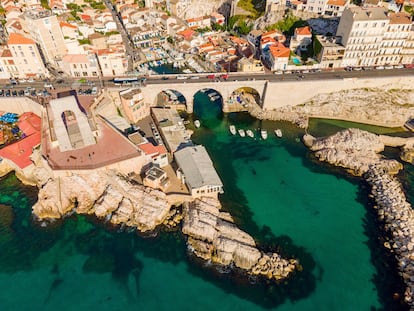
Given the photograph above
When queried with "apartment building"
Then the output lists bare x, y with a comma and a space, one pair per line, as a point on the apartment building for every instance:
112, 63
26, 57
373, 36
44, 28
328, 51
133, 105
326, 7
407, 53
80, 65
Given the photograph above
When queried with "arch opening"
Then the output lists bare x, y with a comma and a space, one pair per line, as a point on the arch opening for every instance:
208, 106
171, 98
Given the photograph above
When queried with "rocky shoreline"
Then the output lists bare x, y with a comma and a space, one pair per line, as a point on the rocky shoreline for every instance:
358, 152
211, 234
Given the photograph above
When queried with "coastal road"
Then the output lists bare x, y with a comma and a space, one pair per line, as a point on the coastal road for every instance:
172, 79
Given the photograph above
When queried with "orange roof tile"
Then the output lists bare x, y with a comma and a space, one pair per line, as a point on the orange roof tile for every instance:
187, 33
29, 123
16, 38
151, 150
20, 152
279, 50
400, 18
303, 31
64, 24
337, 2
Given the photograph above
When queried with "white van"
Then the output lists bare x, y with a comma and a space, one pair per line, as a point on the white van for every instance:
94, 91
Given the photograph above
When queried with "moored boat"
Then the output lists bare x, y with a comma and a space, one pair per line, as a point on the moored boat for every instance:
232, 129
214, 98
250, 133
263, 133
242, 133
197, 123
278, 133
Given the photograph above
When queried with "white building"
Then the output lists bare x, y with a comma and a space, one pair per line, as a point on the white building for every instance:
373, 36
26, 57
80, 65
197, 171
44, 28
112, 63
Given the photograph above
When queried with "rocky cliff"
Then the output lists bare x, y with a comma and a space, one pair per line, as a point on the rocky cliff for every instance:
213, 236
104, 194
385, 107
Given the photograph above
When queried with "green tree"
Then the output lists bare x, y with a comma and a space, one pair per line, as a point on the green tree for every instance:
243, 28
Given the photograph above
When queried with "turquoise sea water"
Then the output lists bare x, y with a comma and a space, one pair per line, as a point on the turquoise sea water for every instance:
274, 189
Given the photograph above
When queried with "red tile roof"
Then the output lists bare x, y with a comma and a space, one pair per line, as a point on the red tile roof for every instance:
20, 152
151, 150
279, 50
64, 24
16, 38
187, 33
29, 123
303, 31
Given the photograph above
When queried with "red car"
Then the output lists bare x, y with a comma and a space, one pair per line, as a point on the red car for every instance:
224, 76
211, 76
409, 66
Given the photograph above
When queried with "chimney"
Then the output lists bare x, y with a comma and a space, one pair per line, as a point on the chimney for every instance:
369, 13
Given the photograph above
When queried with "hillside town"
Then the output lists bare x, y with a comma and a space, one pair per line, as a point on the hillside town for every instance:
90, 39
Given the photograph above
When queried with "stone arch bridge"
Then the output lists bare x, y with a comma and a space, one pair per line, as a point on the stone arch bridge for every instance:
189, 89
276, 94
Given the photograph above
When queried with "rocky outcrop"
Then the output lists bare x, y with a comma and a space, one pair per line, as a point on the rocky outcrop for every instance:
213, 236
356, 151
352, 149
387, 106
104, 194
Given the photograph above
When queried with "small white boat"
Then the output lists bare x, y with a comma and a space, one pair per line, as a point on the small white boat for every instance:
232, 129
214, 98
203, 90
197, 123
278, 133
250, 133
263, 133
242, 133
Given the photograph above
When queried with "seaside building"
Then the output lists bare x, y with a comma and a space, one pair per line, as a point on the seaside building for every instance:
171, 128
156, 178
133, 105
249, 65
301, 39
196, 170
26, 57
44, 28
373, 36
278, 56
80, 65
328, 51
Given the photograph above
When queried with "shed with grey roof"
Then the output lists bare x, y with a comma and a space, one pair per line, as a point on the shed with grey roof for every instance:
198, 172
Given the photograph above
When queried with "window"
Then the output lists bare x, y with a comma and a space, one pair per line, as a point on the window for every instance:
85, 74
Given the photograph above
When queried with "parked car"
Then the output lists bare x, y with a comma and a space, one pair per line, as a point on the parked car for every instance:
30, 80
195, 77
94, 90
278, 72
389, 67
399, 66
380, 67
348, 68
1, 92
164, 78
26, 92
357, 68
48, 85
182, 77
211, 76
409, 66
224, 76
21, 93
8, 93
